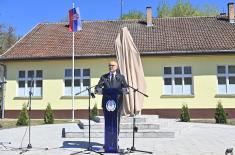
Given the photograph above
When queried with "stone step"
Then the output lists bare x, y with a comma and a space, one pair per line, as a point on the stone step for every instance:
140, 126
138, 119
123, 134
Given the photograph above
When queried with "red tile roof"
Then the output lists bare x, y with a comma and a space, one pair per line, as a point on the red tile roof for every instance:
185, 35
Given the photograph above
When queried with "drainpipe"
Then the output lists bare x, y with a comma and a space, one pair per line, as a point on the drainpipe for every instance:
3, 89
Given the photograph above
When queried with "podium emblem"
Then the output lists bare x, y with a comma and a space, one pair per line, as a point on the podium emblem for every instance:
111, 105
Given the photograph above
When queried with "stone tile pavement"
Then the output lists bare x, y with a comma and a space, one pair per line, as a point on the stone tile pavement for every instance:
195, 139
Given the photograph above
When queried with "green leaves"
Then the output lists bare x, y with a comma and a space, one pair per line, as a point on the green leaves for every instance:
133, 15
185, 9
220, 114
184, 115
23, 118
48, 115
7, 38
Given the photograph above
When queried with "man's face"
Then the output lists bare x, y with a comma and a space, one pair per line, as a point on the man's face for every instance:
113, 66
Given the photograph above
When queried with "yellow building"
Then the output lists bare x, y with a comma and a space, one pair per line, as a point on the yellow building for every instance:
188, 60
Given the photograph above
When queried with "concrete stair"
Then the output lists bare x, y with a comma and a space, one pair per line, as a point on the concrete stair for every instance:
149, 126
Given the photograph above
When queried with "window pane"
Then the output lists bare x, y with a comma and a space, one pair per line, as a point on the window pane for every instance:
222, 80
68, 73
21, 84
188, 81
221, 69
167, 81
232, 80
68, 83
187, 70
167, 70
31, 74
86, 72
178, 81
178, 89
76, 82
37, 91
222, 89
39, 73
231, 69
167, 89
178, 70
21, 74
21, 91
187, 89
30, 83
86, 82
77, 72
39, 83
68, 91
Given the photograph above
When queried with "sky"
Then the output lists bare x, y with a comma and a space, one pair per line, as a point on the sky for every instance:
23, 15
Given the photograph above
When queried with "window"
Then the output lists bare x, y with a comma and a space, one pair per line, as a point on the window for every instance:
178, 80
226, 79
30, 80
81, 81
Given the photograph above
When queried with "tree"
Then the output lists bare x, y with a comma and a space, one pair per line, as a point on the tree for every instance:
23, 118
220, 114
48, 115
163, 10
133, 15
185, 9
7, 38
184, 115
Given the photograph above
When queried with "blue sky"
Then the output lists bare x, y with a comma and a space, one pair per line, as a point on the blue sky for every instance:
23, 15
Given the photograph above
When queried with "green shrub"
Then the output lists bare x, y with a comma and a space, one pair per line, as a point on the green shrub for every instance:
184, 115
23, 118
220, 114
94, 112
48, 115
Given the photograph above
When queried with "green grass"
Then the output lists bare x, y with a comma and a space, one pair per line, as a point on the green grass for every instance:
212, 121
11, 123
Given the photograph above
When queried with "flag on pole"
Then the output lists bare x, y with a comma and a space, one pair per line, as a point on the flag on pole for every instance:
75, 23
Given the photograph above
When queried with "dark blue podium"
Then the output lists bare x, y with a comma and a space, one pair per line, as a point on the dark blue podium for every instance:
111, 107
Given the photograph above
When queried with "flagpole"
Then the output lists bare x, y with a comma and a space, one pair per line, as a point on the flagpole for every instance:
73, 80
121, 9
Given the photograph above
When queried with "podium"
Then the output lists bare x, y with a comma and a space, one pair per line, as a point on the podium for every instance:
111, 103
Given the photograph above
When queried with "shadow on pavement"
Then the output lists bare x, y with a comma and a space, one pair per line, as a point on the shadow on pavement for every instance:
79, 144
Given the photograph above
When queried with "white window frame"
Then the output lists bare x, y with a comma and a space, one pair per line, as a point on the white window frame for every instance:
172, 76
81, 78
26, 87
227, 85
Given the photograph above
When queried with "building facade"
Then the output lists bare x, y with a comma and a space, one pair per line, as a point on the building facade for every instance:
188, 60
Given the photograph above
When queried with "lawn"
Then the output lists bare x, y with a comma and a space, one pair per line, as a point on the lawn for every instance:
11, 123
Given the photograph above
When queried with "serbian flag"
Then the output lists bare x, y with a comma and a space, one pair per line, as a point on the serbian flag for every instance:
75, 23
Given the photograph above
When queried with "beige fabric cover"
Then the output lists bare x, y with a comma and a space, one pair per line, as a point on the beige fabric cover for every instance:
130, 65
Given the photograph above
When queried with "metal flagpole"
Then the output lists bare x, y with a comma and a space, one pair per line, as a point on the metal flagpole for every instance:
73, 80
121, 8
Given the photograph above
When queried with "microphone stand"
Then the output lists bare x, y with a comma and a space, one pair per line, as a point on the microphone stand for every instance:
29, 146
90, 94
30, 99
135, 128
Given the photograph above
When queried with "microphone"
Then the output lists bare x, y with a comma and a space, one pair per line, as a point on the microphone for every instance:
3, 82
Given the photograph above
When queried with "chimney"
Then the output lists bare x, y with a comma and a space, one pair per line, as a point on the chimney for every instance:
149, 16
231, 12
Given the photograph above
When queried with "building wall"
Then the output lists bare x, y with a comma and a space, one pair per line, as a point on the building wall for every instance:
204, 71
